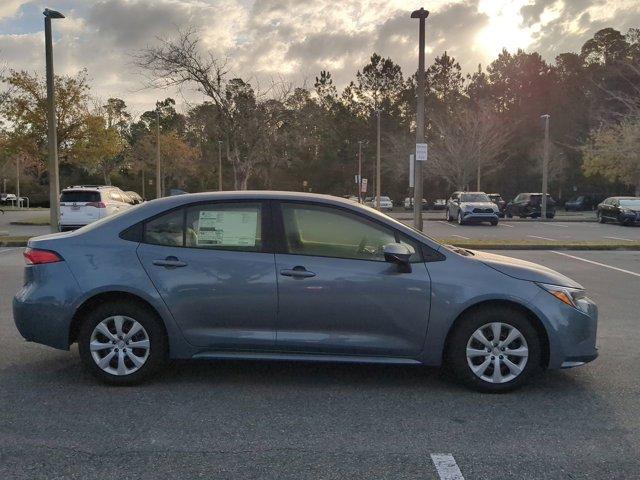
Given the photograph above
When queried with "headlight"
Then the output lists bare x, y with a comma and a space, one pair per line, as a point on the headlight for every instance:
574, 297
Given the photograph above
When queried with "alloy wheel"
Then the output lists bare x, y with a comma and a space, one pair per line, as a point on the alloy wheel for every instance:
497, 352
119, 345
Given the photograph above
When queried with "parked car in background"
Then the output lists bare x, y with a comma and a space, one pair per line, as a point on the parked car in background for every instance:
498, 200
529, 205
385, 203
83, 204
624, 210
468, 207
294, 276
408, 203
440, 204
583, 202
8, 197
137, 199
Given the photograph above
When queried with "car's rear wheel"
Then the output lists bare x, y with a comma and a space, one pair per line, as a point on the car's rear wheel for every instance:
447, 215
494, 349
122, 343
601, 219
494, 223
460, 220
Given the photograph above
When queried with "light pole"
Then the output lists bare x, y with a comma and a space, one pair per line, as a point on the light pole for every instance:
52, 137
359, 171
545, 167
220, 165
378, 161
18, 179
158, 174
422, 15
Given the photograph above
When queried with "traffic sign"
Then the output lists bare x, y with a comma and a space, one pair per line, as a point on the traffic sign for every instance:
422, 152
364, 185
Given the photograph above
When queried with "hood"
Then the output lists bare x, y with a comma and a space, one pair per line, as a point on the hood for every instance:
524, 270
478, 204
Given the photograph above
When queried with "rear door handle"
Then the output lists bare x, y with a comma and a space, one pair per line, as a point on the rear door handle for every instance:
298, 272
170, 262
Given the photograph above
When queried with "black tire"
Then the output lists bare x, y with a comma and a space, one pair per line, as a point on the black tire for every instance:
460, 220
448, 215
456, 357
158, 344
601, 219
494, 223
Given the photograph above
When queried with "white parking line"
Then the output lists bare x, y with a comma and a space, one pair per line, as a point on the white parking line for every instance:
448, 223
555, 225
446, 466
543, 238
598, 263
459, 236
505, 225
620, 238
9, 250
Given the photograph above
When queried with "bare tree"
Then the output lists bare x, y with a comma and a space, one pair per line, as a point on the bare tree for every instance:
180, 62
468, 143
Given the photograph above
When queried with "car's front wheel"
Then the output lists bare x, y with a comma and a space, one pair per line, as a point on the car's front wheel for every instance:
460, 219
494, 349
122, 343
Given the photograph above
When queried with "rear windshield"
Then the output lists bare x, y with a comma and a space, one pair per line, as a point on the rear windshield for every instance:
79, 196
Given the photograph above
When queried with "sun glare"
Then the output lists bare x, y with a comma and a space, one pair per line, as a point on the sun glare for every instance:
504, 28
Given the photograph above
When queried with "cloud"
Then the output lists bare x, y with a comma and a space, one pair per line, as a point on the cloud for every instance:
290, 39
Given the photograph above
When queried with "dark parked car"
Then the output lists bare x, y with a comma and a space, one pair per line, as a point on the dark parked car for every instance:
294, 276
499, 201
583, 202
624, 210
530, 205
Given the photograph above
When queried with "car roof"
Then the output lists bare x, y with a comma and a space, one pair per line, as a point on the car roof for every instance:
626, 198
89, 187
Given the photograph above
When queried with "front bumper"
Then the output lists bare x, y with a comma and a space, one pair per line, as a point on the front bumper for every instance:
479, 217
571, 332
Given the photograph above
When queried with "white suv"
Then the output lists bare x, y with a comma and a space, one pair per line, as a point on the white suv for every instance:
83, 204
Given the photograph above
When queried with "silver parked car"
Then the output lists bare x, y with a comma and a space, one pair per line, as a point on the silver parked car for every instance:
468, 207
294, 276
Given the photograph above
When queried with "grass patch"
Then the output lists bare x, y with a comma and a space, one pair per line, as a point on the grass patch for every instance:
539, 244
17, 241
36, 221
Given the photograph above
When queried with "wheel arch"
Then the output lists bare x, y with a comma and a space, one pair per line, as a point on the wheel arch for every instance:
533, 318
110, 296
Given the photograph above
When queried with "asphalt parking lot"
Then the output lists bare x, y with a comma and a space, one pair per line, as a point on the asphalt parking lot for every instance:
229, 420
534, 230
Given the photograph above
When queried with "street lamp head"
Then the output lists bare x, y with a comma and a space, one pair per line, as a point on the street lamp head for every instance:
422, 13
52, 13
546, 115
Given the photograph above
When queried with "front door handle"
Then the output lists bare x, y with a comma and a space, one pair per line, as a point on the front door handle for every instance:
298, 272
170, 262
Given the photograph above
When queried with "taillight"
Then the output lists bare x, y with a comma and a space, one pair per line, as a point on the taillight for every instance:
34, 256
96, 204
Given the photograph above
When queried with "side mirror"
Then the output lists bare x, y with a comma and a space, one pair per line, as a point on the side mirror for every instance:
399, 254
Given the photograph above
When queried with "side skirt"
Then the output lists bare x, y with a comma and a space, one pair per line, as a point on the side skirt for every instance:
303, 357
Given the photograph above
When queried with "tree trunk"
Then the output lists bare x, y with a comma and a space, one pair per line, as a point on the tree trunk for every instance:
637, 193
478, 183
107, 178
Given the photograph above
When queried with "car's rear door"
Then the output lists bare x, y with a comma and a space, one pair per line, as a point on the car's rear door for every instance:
337, 295
211, 265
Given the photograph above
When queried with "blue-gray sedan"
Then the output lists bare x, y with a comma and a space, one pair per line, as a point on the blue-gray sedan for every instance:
290, 276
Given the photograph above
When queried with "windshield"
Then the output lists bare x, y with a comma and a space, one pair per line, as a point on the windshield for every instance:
474, 197
630, 203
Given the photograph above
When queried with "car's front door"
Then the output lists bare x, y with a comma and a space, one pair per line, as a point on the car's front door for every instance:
210, 265
337, 295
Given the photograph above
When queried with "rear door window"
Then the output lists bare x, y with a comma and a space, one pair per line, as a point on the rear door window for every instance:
167, 229
225, 226
79, 196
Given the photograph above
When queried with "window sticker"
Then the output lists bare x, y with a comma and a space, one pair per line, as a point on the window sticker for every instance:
227, 228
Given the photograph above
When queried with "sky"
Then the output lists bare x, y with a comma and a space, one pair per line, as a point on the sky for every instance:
293, 40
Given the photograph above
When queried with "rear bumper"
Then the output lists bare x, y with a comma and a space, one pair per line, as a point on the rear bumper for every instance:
43, 308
